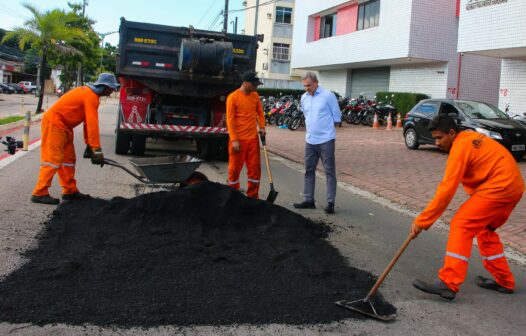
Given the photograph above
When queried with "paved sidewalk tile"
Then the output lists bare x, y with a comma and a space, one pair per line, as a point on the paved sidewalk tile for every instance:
379, 162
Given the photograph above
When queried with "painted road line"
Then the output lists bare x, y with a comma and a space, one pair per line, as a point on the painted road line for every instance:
6, 159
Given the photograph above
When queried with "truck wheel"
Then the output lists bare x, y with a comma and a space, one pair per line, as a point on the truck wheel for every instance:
223, 150
138, 144
203, 149
122, 143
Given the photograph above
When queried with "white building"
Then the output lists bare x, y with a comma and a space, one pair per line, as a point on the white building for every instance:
497, 28
390, 45
275, 22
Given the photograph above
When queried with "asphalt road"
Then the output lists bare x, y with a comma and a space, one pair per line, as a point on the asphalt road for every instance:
365, 230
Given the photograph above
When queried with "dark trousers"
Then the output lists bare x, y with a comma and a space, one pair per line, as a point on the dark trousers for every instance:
325, 152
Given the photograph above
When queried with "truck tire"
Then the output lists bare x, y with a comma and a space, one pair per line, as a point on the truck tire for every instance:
203, 149
122, 140
138, 144
122, 143
223, 150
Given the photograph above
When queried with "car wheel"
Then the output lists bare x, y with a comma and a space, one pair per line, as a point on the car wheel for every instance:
411, 139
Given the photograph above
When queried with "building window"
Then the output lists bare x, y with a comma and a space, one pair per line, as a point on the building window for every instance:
283, 15
368, 14
328, 25
280, 51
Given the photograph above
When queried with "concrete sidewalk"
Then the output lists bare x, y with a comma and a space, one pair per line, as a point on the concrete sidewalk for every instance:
378, 161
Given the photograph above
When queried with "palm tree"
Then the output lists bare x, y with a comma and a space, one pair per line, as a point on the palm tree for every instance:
47, 32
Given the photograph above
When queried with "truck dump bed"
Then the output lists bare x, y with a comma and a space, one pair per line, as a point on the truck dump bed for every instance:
184, 61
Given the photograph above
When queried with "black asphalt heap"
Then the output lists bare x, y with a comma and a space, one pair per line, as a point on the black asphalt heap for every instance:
202, 255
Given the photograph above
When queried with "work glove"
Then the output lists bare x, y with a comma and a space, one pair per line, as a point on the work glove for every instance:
97, 157
88, 153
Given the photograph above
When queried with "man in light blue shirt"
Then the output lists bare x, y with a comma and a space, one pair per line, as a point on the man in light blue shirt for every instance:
321, 111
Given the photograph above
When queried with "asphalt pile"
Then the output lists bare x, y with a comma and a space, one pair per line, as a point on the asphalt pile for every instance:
200, 255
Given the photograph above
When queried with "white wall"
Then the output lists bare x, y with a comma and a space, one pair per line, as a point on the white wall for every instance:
430, 79
494, 27
480, 77
389, 40
513, 85
334, 80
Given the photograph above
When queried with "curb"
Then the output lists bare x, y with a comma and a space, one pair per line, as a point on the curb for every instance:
20, 123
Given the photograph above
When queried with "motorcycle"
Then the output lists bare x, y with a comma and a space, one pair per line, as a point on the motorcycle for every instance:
297, 119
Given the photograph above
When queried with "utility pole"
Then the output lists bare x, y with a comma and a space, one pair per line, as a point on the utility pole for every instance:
235, 26
225, 18
79, 70
256, 20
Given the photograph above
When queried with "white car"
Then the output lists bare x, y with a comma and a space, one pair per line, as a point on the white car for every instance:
28, 86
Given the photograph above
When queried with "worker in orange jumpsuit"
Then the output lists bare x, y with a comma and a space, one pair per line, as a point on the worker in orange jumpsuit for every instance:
490, 175
244, 113
57, 149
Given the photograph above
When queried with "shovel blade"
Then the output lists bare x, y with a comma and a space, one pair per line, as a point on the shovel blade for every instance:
272, 196
364, 308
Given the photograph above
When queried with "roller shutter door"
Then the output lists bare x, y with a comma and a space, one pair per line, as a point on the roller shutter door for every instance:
369, 81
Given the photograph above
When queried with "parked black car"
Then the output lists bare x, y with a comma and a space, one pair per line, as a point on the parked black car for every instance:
18, 88
477, 116
7, 89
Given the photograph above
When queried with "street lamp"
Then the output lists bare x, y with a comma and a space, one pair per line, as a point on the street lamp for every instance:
102, 36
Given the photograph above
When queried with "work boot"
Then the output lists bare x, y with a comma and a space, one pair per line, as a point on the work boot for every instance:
78, 196
329, 209
305, 205
438, 287
492, 284
46, 199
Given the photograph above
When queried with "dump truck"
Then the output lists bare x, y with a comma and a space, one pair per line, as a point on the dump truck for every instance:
174, 83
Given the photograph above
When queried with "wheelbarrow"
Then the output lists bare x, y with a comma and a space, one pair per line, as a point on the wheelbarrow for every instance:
175, 169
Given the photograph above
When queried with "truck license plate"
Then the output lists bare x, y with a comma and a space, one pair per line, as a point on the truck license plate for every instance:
515, 148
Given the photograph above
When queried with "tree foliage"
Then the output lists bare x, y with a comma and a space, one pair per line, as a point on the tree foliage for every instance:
51, 33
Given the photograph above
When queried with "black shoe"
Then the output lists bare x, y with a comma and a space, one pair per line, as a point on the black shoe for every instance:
305, 205
437, 288
78, 196
44, 199
492, 284
329, 209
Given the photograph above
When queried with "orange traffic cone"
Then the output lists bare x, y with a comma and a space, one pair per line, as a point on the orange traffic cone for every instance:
398, 121
375, 121
389, 122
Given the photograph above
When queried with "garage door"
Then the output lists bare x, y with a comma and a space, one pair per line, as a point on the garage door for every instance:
369, 81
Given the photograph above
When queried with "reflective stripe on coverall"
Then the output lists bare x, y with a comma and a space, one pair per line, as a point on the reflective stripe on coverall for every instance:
243, 114
57, 151
490, 175
248, 154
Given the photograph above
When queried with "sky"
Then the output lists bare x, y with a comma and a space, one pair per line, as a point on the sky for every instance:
107, 13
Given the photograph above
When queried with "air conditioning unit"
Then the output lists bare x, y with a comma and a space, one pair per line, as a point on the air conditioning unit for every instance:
244, 4
265, 66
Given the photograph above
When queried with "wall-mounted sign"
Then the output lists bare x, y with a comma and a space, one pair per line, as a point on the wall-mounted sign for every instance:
475, 4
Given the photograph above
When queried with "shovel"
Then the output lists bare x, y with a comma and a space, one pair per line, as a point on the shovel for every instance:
364, 306
272, 193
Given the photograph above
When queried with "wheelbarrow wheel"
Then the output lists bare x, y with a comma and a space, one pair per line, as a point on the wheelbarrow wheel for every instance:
195, 178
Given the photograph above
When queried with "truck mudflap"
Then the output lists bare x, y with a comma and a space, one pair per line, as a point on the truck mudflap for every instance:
174, 130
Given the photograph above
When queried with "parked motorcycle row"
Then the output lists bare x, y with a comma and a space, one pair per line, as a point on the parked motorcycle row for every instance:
362, 110
286, 112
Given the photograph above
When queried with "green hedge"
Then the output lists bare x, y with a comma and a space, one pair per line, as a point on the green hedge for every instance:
266, 92
402, 101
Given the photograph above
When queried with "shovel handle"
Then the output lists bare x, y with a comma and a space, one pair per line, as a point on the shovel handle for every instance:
388, 268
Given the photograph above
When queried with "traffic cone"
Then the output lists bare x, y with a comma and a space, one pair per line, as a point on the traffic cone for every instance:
398, 121
389, 122
375, 121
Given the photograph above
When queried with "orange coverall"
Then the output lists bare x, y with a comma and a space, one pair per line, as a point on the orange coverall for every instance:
489, 174
57, 151
243, 113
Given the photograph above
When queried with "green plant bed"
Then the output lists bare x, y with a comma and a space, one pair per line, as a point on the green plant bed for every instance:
10, 119
402, 101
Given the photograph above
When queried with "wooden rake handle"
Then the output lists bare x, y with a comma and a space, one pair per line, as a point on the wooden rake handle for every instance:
388, 268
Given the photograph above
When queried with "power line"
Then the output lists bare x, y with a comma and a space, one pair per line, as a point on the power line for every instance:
214, 22
206, 13
260, 5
